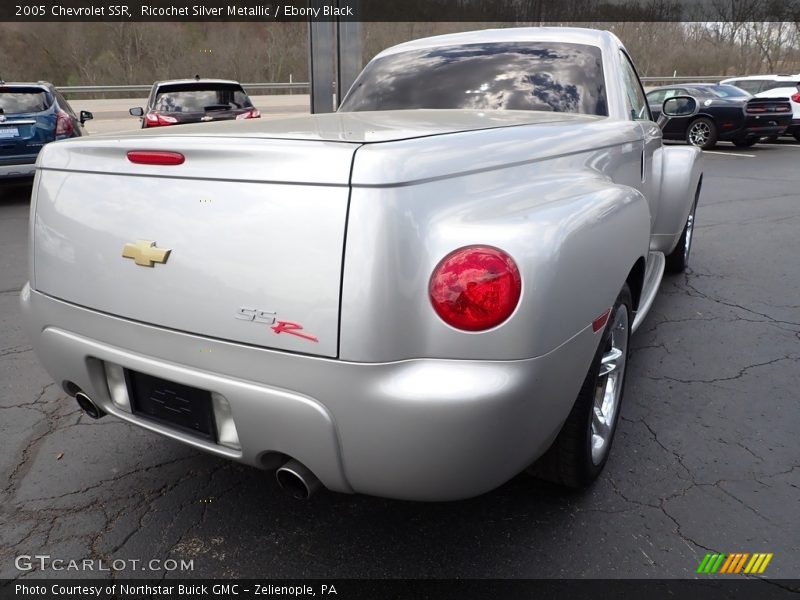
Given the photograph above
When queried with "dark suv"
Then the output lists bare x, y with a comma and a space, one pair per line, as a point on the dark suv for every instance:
31, 115
195, 101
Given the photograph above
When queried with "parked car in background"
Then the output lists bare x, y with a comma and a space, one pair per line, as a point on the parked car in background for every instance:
182, 101
774, 86
418, 296
31, 115
725, 113
756, 84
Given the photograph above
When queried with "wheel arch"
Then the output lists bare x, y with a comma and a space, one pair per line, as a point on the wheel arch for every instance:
635, 281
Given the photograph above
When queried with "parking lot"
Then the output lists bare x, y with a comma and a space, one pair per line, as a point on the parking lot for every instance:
706, 457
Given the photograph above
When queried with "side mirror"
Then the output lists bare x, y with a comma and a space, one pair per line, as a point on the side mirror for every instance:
136, 112
86, 116
677, 106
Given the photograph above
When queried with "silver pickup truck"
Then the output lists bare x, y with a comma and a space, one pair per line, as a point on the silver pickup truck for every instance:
418, 296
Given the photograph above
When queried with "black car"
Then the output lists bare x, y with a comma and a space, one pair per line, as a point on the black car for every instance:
195, 100
725, 113
31, 115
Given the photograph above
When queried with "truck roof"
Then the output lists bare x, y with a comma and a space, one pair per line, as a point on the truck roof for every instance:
574, 35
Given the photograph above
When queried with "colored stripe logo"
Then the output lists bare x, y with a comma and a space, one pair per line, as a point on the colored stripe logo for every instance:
740, 562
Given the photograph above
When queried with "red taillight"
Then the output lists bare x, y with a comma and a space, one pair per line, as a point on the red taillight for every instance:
250, 114
796, 97
63, 123
153, 119
155, 157
475, 288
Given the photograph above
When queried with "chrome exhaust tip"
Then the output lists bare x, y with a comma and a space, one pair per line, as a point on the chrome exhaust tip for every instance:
88, 406
297, 480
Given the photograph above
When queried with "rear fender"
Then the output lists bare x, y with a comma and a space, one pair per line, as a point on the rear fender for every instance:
681, 170
574, 235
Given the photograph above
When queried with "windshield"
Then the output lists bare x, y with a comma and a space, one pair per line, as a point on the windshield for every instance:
200, 98
550, 76
24, 100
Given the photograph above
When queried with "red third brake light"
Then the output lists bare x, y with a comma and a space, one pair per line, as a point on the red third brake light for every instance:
475, 288
155, 157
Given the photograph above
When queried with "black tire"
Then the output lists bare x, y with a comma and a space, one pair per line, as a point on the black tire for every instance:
569, 460
745, 142
796, 134
678, 259
709, 138
770, 139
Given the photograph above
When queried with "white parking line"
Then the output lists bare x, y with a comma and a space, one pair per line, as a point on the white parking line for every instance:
736, 154
795, 146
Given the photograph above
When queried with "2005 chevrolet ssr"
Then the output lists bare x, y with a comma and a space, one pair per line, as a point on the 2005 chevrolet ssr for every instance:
418, 296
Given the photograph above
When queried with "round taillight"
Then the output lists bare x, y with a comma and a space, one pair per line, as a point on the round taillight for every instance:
475, 288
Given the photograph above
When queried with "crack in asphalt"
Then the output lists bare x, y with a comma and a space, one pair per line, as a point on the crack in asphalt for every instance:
49, 425
733, 304
36, 401
14, 350
743, 371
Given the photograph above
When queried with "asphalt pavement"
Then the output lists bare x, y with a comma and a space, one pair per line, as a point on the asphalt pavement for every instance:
706, 458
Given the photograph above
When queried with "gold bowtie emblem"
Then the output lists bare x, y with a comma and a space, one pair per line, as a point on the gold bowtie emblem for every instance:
145, 253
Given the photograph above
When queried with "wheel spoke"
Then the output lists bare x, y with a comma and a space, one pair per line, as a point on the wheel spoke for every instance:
599, 424
609, 363
608, 389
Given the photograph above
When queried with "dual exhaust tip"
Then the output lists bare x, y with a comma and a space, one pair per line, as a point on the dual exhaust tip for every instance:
297, 480
294, 477
88, 406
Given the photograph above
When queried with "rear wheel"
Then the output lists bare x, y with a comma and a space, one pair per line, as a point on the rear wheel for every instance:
678, 259
581, 449
702, 133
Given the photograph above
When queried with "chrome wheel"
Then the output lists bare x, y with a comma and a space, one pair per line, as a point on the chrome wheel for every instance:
699, 133
687, 241
608, 389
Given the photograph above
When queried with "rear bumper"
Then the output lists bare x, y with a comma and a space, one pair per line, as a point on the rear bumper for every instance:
758, 127
18, 170
422, 429
793, 127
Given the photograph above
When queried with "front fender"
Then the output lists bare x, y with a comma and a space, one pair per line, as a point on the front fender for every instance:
681, 171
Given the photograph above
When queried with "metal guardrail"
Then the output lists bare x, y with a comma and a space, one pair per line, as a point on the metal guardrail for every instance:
687, 79
110, 89
304, 85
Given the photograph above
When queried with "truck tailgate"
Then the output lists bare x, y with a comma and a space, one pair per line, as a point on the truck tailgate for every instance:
254, 229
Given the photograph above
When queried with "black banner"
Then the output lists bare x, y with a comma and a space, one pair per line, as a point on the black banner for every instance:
402, 589
517, 11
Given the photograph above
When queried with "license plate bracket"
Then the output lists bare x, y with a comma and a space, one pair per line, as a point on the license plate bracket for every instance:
173, 404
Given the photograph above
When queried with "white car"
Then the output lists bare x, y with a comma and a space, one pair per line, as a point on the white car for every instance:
774, 86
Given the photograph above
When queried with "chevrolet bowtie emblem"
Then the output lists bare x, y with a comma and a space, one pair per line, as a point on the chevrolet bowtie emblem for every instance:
145, 253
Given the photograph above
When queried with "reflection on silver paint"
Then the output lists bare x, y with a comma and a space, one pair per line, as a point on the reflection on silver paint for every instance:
118, 390
226, 426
